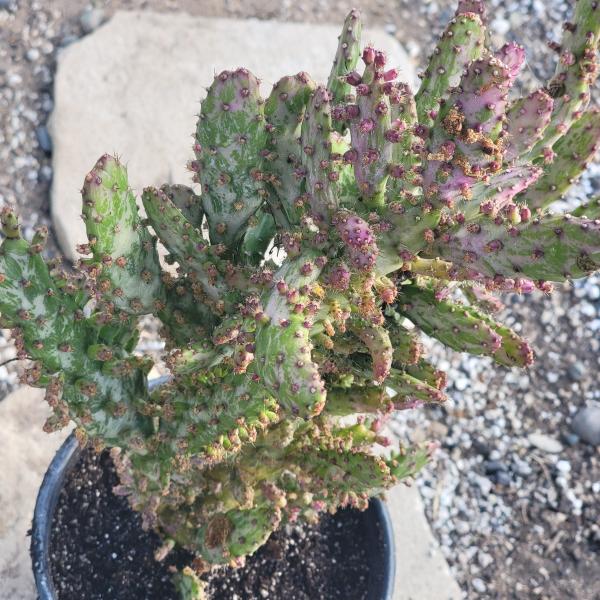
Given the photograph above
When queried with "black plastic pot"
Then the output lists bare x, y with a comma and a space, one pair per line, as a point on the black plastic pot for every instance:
380, 540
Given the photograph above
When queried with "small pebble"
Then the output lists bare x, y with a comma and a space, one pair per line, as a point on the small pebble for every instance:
68, 40
577, 371
586, 424
479, 585
91, 18
500, 26
461, 384
44, 139
545, 443
570, 439
587, 310
493, 466
484, 484
495, 455
32, 54
46, 173
484, 559
593, 292
14, 80
521, 467
481, 447
502, 478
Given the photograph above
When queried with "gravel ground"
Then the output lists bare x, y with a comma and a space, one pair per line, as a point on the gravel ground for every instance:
513, 494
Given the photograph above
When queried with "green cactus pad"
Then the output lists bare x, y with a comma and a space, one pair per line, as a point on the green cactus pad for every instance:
463, 328
230, 138
576, 71
405, 160
184, 316
377, 340
223, 417
189, 586
124, 252
588, 210
258, 236
284, 113
423, 370
187, 201
572, 152
315, 140
283, 348
552, 248
31, 300
186, 244
412, 391
461, 43
345, 61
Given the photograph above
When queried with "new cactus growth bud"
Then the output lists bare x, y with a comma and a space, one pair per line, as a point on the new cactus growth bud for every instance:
405, 226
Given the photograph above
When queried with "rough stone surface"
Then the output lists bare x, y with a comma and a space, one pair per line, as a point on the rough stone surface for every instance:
133, 87
25, 453
422, 572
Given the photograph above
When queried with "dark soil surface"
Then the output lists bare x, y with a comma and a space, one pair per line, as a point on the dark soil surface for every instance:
100, 552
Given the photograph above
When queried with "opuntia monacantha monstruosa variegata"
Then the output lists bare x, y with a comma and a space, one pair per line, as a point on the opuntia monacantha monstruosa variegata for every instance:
395, 213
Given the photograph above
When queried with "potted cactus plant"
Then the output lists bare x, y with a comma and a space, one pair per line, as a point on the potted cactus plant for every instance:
393, 214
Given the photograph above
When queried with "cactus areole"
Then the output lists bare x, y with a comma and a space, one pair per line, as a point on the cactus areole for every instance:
397, 215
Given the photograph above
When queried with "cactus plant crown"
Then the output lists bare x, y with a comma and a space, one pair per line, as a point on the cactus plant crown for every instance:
394, 212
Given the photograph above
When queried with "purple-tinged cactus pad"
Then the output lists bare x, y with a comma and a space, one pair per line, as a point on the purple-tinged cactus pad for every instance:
526, 121
472, 6
360, 245
497, 195
550, 248
512, 55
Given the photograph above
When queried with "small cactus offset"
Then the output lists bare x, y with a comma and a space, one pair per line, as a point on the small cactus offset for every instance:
395, 216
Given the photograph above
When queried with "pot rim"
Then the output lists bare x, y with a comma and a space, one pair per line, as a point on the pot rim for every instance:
43, 514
